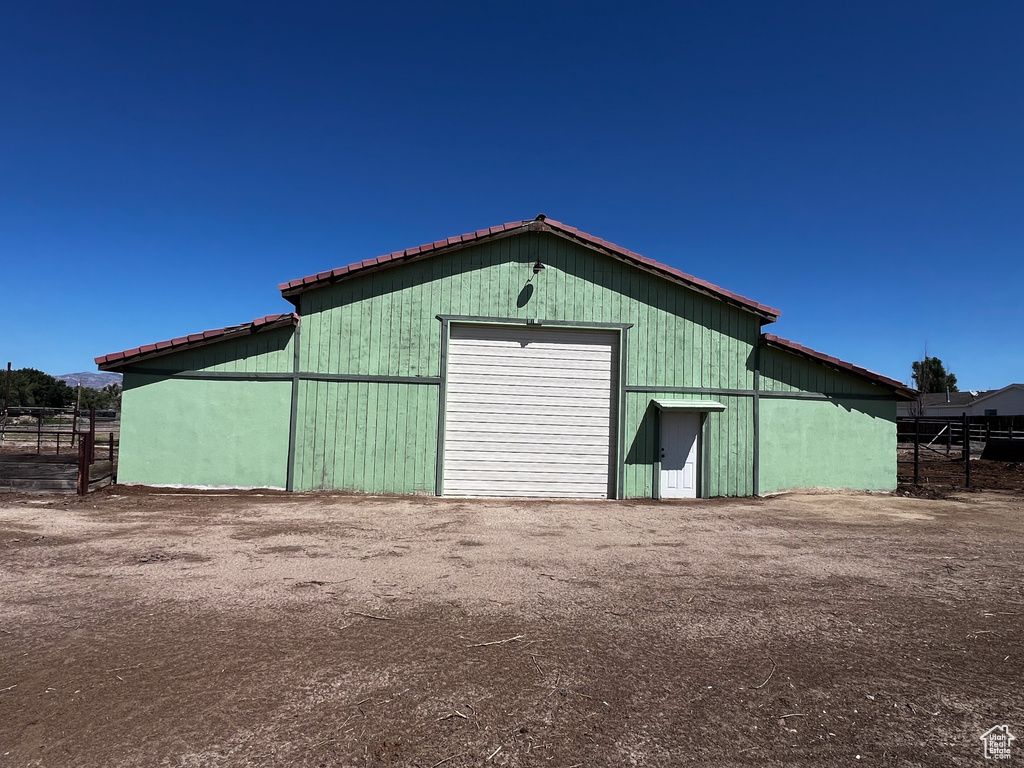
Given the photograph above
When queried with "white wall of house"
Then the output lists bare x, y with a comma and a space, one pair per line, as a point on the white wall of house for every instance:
1008, 401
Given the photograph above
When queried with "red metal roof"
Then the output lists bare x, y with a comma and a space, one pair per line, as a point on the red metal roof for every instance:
119, 359
540, 224
834, 362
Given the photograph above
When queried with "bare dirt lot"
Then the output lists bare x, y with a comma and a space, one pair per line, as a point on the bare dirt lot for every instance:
143, 629
942, 474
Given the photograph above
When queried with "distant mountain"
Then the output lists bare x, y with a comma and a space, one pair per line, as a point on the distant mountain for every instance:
91, 380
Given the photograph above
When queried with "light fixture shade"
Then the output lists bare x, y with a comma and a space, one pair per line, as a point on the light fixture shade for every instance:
537, 267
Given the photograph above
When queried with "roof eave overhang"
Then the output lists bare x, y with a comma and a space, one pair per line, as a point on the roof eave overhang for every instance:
293, 289
899, 391
120, 360
766, 314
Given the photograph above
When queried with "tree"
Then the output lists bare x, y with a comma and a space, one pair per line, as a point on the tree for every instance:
930, 375
108, 398
32, 388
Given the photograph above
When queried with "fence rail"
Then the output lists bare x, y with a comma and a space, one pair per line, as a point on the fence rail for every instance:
936, 438
32, 458
58, 429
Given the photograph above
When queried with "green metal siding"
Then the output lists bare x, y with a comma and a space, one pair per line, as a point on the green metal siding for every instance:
367, 436
785, 372
727, 437
385, 324
264, 352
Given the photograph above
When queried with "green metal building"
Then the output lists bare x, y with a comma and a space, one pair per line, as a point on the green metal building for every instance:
528, 359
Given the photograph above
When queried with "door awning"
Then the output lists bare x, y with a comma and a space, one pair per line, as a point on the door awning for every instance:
689, 405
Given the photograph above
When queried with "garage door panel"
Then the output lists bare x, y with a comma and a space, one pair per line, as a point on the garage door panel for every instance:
547, 445
481, 393
555, 371
539, 349
515, 412
539, 472
500, 492
561, 395
529, 411
541, 387
495, 335
527, 439
541, 357
518, 459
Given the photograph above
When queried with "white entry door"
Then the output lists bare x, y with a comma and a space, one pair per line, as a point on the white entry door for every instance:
679, 455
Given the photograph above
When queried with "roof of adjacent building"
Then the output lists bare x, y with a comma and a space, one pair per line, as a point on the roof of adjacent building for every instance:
951, 398
293, 288
958, 400
864, 374
147, 351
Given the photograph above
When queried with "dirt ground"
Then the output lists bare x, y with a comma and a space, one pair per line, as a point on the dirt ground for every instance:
160, 629
943, 474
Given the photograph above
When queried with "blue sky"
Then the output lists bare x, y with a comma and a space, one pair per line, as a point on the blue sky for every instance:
859, 166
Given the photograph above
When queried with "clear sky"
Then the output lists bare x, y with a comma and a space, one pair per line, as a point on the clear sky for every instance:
860, 166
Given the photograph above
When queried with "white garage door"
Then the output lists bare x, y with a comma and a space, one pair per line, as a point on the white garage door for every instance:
530, 411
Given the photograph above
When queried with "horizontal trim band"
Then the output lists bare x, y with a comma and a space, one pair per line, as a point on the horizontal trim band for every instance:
436, 381
356, 377
777, 395
532, 323
689, 391
275, 376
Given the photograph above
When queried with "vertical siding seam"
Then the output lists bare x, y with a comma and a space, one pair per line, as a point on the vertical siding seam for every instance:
757, 421
442, 397
294, 412
620, 416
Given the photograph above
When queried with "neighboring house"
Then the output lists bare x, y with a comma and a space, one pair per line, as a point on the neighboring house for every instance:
1008, 401
528, 359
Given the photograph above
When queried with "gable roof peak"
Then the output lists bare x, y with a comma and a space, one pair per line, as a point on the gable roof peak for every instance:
293, 288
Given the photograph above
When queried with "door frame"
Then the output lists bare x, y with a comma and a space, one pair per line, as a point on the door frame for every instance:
702, 408
618, 438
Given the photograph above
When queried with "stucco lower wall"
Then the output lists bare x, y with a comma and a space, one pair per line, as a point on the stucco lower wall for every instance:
827, 444
223, 433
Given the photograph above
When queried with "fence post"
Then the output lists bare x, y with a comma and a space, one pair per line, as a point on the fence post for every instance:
949, 437
917, 450
967, 450
7, 391
83, 469
39, 435
92, 435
